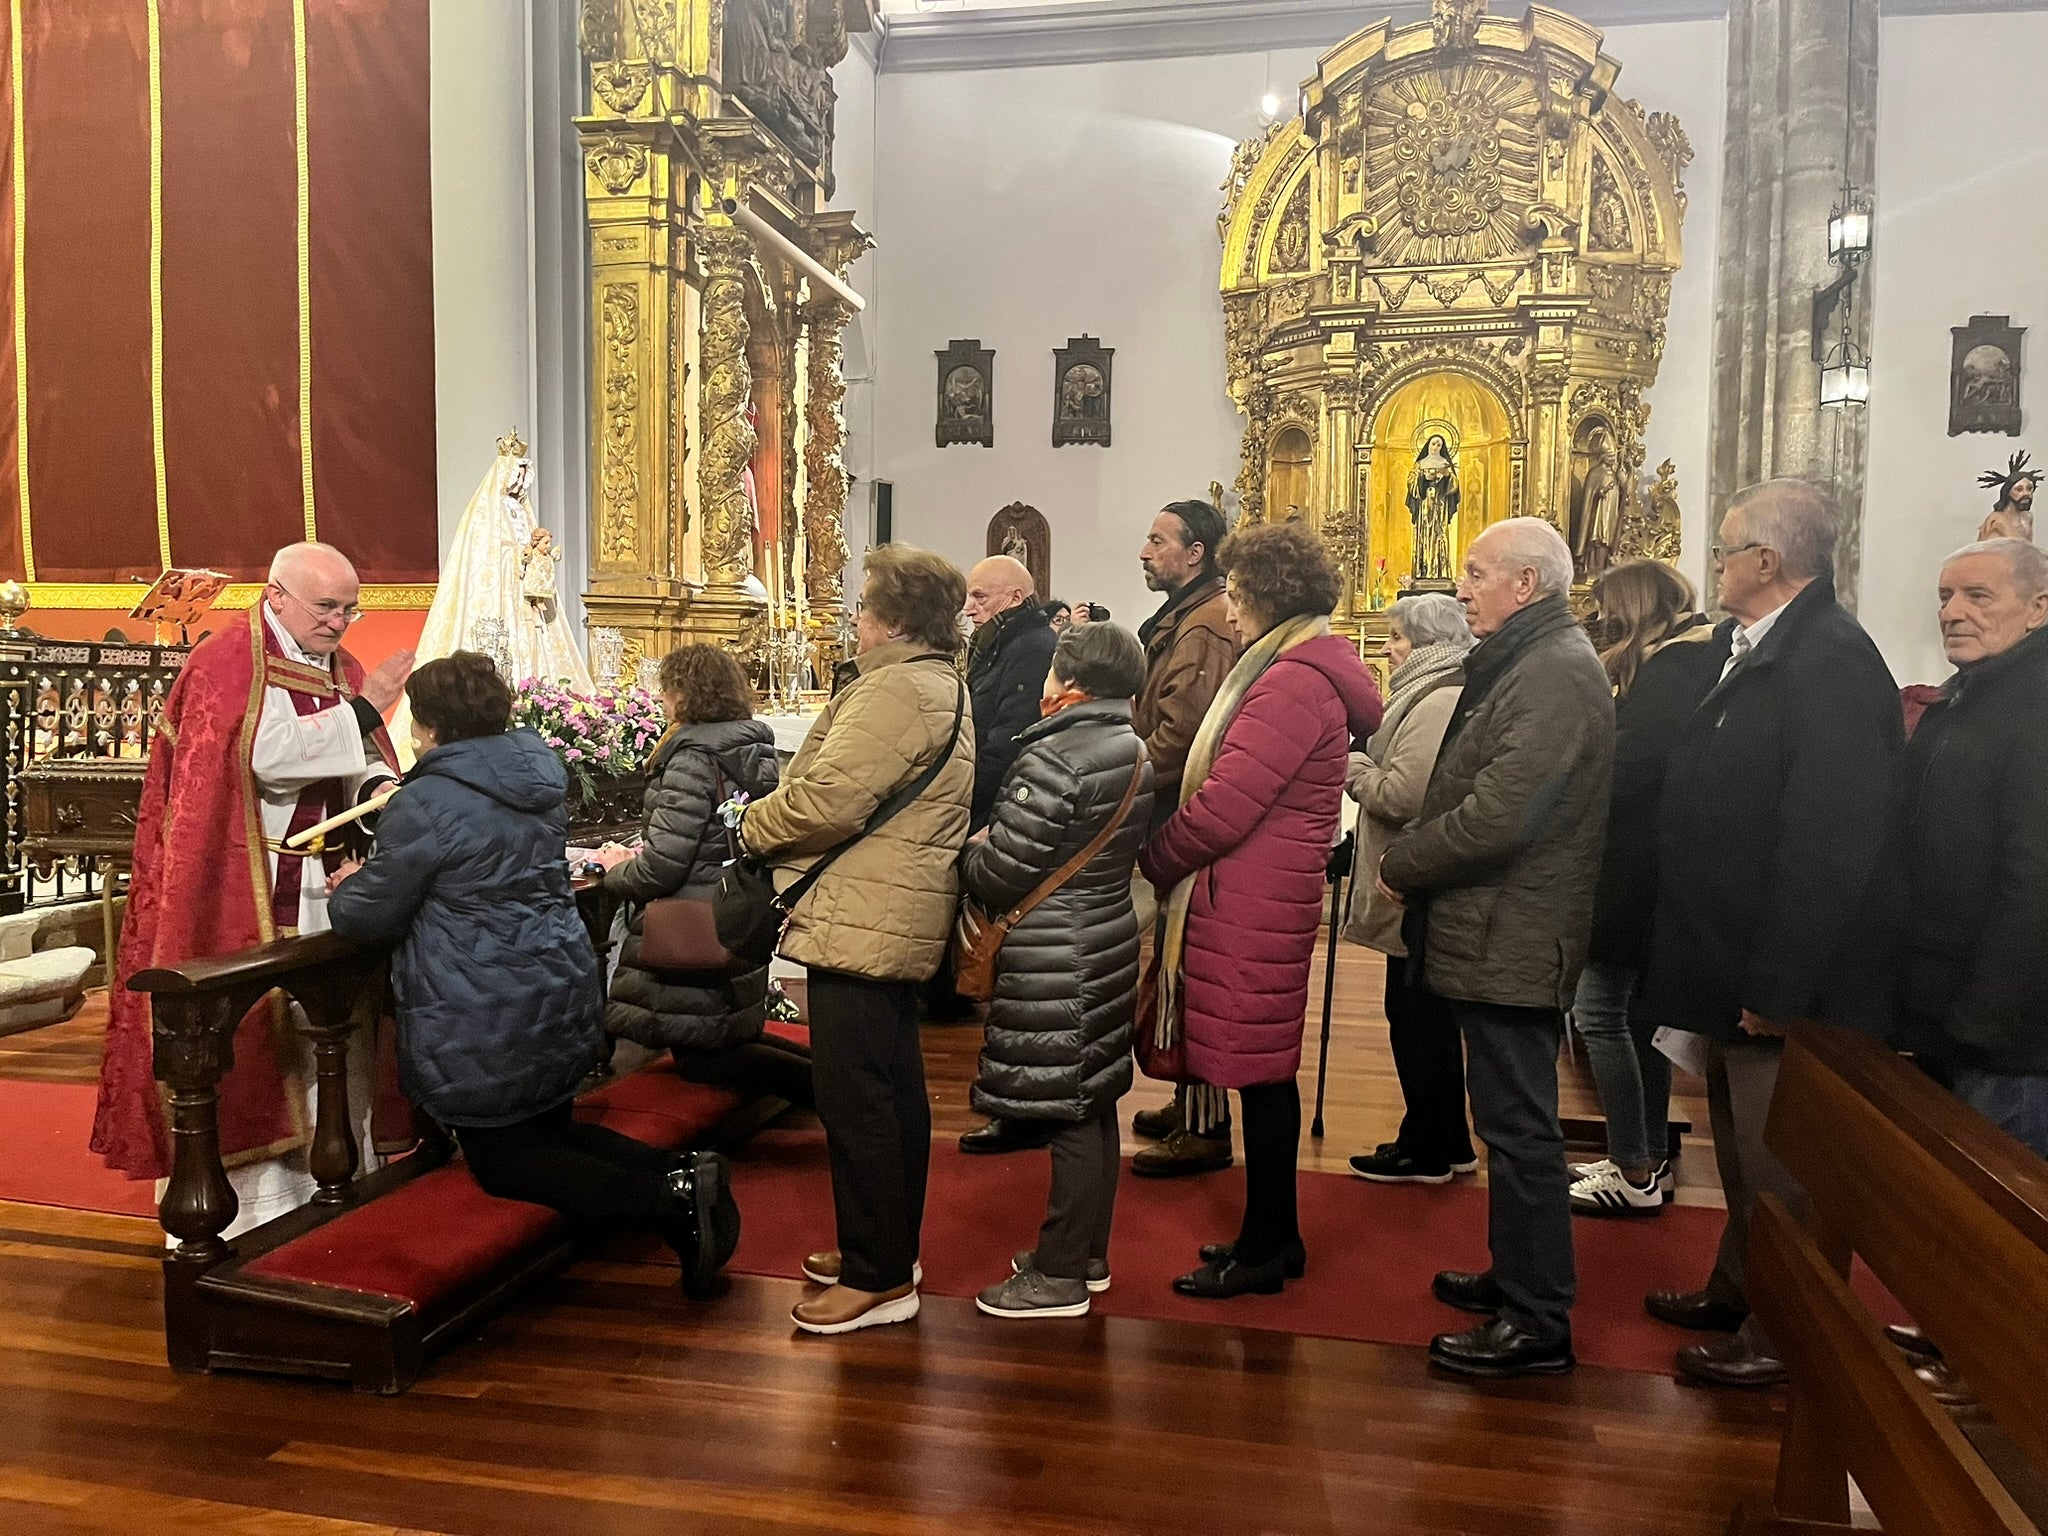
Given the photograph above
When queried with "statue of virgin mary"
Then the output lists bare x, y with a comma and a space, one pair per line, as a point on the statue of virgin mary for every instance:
496, 594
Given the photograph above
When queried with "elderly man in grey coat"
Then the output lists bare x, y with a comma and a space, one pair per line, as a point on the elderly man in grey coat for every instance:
1498, 877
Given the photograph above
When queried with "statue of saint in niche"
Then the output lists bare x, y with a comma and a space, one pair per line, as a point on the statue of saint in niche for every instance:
1599, 528
1433, 503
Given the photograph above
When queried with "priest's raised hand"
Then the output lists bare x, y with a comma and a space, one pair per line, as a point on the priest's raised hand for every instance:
386, 681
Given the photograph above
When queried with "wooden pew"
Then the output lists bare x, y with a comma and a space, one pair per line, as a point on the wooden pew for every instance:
376, 1274
1952, 1216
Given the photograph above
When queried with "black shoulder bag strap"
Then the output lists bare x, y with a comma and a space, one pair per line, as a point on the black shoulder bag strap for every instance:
889, 808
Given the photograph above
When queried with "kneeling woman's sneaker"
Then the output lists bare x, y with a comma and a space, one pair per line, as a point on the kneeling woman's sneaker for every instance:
702, 1222
1608, 1192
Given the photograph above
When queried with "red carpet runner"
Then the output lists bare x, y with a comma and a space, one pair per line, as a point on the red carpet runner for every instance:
45, 1157
1372, 1248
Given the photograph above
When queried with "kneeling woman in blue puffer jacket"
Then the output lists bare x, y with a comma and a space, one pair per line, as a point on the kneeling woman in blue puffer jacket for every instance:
499, 1012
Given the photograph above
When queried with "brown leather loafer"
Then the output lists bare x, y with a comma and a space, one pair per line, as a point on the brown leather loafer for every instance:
1730, 1362
822, 1268
841, 1309
1701, 1311
1181, 1154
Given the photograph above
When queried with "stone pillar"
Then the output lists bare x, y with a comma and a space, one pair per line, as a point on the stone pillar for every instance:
1789, 96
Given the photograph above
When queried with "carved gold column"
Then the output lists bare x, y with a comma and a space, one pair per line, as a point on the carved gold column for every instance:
646, 64
837, 244
727, 440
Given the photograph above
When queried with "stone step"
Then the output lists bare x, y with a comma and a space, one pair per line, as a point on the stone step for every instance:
43, 988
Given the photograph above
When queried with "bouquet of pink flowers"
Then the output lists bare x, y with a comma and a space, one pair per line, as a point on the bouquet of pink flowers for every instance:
598, 736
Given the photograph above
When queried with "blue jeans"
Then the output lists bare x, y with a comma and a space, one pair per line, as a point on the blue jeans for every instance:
1633, 1076
2016, 1105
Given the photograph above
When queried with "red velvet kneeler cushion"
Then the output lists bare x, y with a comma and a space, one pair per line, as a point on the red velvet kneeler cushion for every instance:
421, 1243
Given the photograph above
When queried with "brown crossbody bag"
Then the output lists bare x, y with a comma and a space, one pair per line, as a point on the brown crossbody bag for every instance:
978, 938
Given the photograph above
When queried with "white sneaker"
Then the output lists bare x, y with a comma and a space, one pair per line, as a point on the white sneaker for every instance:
1666, 1179
1583, 1171
1608, 1193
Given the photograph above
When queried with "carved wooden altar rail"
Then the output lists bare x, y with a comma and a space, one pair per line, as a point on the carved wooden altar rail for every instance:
1952, 1215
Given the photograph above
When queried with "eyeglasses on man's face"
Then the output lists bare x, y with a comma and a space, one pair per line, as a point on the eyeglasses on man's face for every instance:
325, 612
1721, 552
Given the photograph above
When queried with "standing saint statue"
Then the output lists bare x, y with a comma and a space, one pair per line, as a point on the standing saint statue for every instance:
1433, 502
497, 589
1599, 505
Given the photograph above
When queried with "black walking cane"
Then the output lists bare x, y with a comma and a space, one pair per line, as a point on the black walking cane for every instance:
1334, 872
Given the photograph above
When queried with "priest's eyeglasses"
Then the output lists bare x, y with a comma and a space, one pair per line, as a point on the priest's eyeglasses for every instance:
325, 612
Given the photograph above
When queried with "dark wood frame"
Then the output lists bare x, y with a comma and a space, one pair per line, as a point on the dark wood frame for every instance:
1037, 532
1978, 416
1067, 429
980, 430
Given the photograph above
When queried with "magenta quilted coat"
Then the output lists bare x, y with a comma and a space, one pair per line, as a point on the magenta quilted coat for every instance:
1257, 836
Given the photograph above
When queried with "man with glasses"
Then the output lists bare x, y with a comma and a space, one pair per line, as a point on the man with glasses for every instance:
212, 874
1776, 899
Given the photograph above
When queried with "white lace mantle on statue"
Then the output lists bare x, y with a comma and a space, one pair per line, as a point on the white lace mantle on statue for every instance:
482, 601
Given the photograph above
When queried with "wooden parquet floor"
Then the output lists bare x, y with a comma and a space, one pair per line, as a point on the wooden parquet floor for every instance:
605, 1404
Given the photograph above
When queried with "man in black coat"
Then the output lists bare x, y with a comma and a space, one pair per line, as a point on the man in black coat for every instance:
1775, 891
1006, 665
1975, 837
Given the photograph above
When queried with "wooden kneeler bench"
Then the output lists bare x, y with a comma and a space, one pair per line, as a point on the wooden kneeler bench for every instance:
375, 1275
1951, 1215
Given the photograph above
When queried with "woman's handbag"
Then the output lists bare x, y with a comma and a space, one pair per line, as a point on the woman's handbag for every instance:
680, 933
978, 938
749, 912
1163, 1064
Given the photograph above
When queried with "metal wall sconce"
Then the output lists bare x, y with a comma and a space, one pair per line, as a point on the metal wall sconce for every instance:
1845, 375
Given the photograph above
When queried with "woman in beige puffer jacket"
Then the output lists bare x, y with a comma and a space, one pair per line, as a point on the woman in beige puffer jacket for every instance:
876, 924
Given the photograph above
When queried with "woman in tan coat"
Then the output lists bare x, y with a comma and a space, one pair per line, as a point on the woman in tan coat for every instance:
874, 927
1426, 648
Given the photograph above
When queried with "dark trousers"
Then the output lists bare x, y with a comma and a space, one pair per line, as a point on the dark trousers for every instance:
1511, 1059
1742, 1075
1271, 1120
591, 1175
1085, 1164
868, 1073
1429, 1059
779, 1068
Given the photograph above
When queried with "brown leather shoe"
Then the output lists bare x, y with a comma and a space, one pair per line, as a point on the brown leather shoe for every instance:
1730, 1362
841, 1309
822, 1268
1181, 1154
1699, 1310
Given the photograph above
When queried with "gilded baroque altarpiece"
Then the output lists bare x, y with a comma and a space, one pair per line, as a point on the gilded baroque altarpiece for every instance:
1459, 254
717, 394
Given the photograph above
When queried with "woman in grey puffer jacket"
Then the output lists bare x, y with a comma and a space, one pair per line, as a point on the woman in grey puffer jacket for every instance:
712, 1022
1058, 1042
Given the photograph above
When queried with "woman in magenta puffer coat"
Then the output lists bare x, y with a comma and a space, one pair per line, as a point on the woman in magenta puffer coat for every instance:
1240, 871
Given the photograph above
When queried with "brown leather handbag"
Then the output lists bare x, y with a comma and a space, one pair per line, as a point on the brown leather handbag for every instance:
680, 933
978, 938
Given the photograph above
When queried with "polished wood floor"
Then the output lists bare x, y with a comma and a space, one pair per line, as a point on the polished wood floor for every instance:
605, 1404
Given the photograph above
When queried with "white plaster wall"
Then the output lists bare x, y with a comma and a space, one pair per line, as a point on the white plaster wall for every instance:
853, 165
1962, 156
1027, 206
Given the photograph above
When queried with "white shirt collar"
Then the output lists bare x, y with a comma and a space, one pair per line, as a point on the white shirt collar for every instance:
1754, 633
293, 651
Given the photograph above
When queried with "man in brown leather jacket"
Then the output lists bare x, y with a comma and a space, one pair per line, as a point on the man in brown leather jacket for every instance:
1190, 648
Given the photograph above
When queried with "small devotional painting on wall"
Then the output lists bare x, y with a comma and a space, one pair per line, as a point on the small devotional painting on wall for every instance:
1984, 376
967, 395
1080, 392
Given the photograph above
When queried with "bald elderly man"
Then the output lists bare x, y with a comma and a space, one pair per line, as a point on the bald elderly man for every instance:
212, 876
1006, 665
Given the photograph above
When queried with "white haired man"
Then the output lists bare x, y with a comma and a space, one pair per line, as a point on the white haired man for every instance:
225, 882
1776, 892
1975, 837
1498, 878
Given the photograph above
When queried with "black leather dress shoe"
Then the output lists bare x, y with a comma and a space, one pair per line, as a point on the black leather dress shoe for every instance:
1468, 1292
1730, 1363
700, 1219
1698, 1310
1293, 1258
1008, 1136
1157, 1124
1501, 1349
1227, 1278
1911, 1341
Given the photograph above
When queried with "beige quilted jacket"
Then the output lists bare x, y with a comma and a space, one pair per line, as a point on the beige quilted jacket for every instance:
885, 908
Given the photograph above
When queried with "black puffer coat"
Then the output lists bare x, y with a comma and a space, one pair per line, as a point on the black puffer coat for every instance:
683, 845
495, 982
1058, 1044
1006, 667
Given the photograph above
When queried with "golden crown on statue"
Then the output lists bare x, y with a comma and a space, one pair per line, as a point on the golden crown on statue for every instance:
513, 444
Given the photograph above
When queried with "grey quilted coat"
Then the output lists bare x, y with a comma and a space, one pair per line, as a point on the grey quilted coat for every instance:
1058, 1041
682, 848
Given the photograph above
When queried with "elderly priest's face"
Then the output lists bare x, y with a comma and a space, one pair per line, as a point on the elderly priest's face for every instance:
312, 594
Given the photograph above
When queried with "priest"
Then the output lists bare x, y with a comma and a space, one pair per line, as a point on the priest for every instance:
271, 728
